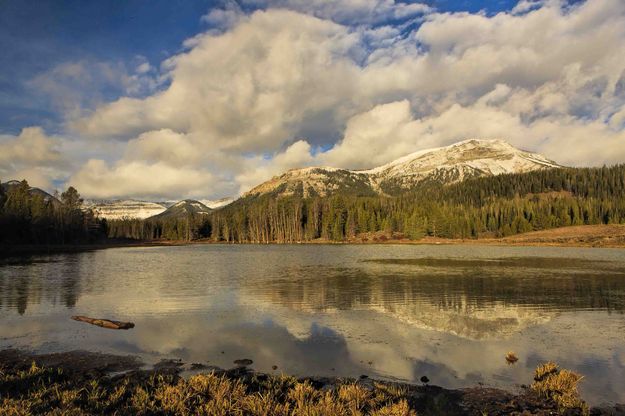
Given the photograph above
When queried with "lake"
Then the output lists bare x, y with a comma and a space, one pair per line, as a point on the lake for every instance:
396, 312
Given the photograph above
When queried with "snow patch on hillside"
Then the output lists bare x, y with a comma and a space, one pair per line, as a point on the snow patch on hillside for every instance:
449, 164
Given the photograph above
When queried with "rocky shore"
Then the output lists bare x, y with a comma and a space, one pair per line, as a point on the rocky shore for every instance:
81, 382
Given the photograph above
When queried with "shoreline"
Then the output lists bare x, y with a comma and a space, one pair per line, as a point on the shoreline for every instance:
589, 236
75, 374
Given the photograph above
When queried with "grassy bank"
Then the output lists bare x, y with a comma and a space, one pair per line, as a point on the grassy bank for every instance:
80, 383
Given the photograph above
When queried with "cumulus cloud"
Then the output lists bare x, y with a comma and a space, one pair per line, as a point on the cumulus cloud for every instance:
164, 146
141, 180
583, 139
31, 155
258, 169
357, 92
248, 89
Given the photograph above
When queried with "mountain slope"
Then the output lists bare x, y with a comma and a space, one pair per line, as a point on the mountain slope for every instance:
445, 165
182, 209
6, 186
316, 181
217, 203
127, 208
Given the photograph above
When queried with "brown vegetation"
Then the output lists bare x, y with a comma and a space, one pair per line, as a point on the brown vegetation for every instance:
76, 384
560, 386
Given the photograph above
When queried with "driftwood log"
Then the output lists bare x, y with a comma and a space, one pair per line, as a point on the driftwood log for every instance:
104, 323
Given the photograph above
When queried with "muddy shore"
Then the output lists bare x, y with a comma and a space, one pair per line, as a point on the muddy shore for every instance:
81, 382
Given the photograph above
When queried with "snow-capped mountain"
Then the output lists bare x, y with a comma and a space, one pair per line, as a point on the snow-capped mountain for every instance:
454, 163
184, 208
217, 203
135, 209
127, 208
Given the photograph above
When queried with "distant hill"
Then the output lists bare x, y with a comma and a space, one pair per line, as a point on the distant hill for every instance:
6, 186
183, 208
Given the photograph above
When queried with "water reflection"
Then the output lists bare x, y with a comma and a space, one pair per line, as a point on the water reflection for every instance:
450, 313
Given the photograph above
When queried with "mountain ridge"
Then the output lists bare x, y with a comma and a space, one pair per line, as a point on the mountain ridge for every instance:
448, 164
183, 208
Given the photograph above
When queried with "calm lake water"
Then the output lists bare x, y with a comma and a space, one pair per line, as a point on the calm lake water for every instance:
395, 312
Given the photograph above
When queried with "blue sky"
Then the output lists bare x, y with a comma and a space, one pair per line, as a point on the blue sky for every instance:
212, 98
37, 35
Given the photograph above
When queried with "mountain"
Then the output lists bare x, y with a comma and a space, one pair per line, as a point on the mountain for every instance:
127, 208
445, 165
135, 209
217, 203
182, 209
6, 186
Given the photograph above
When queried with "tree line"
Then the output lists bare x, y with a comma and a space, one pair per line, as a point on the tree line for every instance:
28, 217
479, 207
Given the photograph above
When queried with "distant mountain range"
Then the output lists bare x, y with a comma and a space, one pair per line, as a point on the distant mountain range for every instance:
125, 208
131, 208
445, 165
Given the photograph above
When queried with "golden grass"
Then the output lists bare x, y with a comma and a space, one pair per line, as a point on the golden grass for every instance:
560, 386
46, 391
38, 390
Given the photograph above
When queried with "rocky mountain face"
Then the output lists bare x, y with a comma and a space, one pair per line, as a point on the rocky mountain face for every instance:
131, 208
127, 208
183, 208
444, 165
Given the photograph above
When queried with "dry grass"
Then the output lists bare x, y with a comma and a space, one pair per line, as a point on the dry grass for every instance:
560, 386
47, 391
39, 390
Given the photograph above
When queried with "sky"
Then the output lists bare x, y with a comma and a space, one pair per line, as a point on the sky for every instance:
172, 99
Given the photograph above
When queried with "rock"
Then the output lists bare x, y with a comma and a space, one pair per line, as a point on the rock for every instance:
104, 323
168, 364
274, 367
198, 366
244, 362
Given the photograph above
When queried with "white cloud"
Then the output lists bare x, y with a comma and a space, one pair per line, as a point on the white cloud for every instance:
164, 146
249, 89
524, 6
75, 87
547, 76
361, 148
351, 12
31, 155
141, 180
584, 140
257, 170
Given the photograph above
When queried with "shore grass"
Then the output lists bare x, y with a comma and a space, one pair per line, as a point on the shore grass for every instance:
41, 390
80, 388
559, 385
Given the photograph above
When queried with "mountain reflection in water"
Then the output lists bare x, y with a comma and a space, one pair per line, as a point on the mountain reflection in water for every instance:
450, 312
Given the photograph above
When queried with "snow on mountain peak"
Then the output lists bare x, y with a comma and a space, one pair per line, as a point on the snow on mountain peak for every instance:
448, 164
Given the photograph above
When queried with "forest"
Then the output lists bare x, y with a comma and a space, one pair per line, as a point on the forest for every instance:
30, 216
475, 208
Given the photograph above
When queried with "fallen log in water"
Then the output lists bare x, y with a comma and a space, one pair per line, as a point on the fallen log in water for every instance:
104, 323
